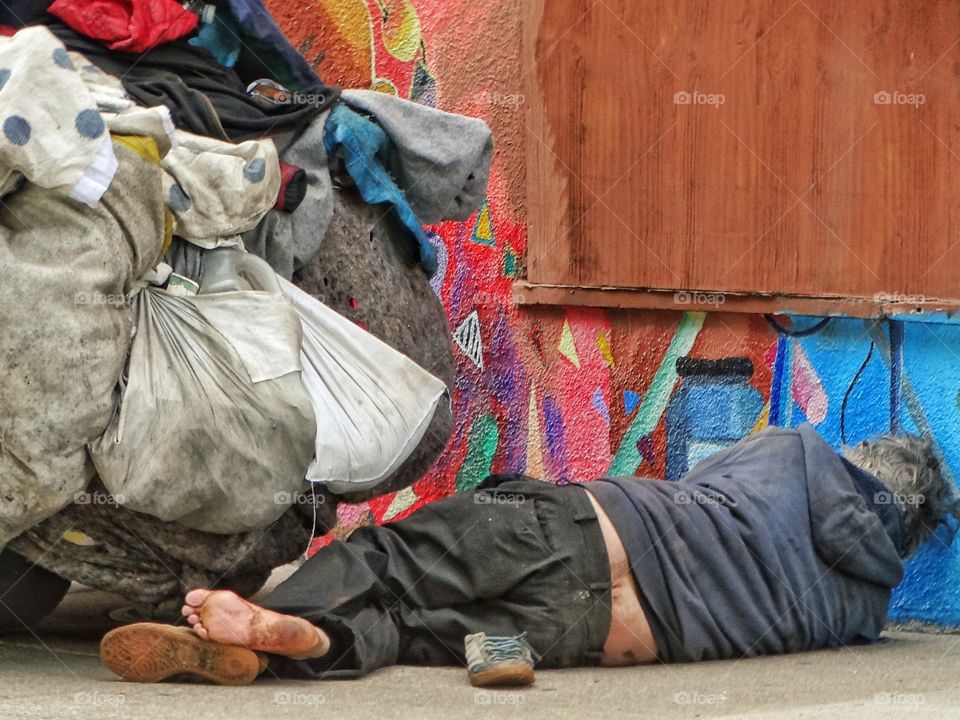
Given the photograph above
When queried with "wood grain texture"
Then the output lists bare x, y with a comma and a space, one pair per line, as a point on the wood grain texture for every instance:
783, 174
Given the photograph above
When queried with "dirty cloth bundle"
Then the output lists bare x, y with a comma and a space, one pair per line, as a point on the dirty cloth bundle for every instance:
154, 185
151, 562
427, 164
204, 97
215, 190
64, 272
52, 134
441, 161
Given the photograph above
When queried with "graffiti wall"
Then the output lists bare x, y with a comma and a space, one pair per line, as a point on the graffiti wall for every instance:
571, 393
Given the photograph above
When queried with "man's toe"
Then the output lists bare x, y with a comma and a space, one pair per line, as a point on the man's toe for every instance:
196, 598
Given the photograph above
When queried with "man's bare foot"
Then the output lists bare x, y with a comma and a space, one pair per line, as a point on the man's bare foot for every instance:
225, 617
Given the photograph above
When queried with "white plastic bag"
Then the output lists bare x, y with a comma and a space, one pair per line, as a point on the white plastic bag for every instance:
215, 429
372, 403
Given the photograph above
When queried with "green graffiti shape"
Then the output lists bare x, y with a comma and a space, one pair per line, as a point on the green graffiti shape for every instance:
628, 458
481, 448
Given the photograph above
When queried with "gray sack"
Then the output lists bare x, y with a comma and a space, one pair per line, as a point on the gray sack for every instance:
65, 330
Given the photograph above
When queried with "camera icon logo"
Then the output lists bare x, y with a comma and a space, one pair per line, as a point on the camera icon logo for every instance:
882, 98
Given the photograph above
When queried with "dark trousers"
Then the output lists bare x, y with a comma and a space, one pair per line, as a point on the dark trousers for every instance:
514, 556
28, 593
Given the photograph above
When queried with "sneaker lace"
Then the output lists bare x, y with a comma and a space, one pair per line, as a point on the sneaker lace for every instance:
500, 649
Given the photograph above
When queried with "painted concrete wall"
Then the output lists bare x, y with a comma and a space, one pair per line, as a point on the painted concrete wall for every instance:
568, 393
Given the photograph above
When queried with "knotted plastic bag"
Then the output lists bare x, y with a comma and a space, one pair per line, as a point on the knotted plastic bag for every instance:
372, 403
215, 429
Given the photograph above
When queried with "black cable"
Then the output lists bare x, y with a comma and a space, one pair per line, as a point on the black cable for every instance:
846, 397
797, 333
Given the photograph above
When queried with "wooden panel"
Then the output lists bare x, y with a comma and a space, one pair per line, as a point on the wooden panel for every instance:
781, 171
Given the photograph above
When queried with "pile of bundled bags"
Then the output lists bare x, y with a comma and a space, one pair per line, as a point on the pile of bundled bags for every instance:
155, 204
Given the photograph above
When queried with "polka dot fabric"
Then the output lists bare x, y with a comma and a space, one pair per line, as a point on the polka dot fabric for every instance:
217, 190
50, 129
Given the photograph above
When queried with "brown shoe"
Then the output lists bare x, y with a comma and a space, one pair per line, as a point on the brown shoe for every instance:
150, 653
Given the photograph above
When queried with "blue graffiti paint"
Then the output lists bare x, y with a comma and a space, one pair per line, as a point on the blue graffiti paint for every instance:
776, 383
714, 407
836, 354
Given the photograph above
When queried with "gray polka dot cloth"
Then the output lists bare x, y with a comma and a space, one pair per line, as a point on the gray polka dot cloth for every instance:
217, 190
50, 129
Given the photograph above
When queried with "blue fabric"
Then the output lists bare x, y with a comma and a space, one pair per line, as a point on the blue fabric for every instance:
220, 39
243, 33
769, 547
365, 149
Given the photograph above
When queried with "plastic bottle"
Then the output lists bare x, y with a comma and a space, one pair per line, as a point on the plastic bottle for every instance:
232, 270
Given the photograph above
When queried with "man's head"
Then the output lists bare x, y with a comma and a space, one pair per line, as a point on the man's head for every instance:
907, 465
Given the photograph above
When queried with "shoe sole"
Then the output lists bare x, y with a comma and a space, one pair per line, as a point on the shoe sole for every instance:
151, 653
508, 675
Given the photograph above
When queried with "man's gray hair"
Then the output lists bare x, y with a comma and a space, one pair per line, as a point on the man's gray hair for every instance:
910, 469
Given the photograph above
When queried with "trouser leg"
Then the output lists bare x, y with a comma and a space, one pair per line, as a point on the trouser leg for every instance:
28, 593
409, 591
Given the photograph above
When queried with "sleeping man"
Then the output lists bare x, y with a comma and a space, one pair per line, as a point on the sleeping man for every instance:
775, 545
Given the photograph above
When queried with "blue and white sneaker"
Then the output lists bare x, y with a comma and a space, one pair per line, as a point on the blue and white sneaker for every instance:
499, 660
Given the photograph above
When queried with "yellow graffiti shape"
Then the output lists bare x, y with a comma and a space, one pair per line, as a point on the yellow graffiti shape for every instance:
402, 33
349, 41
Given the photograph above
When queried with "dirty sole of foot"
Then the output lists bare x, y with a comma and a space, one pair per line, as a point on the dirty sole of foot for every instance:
150, 653
503, 676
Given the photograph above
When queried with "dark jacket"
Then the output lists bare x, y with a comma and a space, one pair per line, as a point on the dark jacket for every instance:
775, 545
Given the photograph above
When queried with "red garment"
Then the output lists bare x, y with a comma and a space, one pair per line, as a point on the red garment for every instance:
126, 25
6, 30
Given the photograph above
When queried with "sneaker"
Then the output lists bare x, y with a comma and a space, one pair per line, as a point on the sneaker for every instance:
499, 660
149, 653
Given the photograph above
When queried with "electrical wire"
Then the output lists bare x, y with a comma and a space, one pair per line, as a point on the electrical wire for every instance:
846, 397
797, 333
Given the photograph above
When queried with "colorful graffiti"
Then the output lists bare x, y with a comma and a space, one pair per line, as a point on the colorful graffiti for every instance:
573, 393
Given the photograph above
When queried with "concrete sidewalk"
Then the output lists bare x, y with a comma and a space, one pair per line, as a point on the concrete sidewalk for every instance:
908, 676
